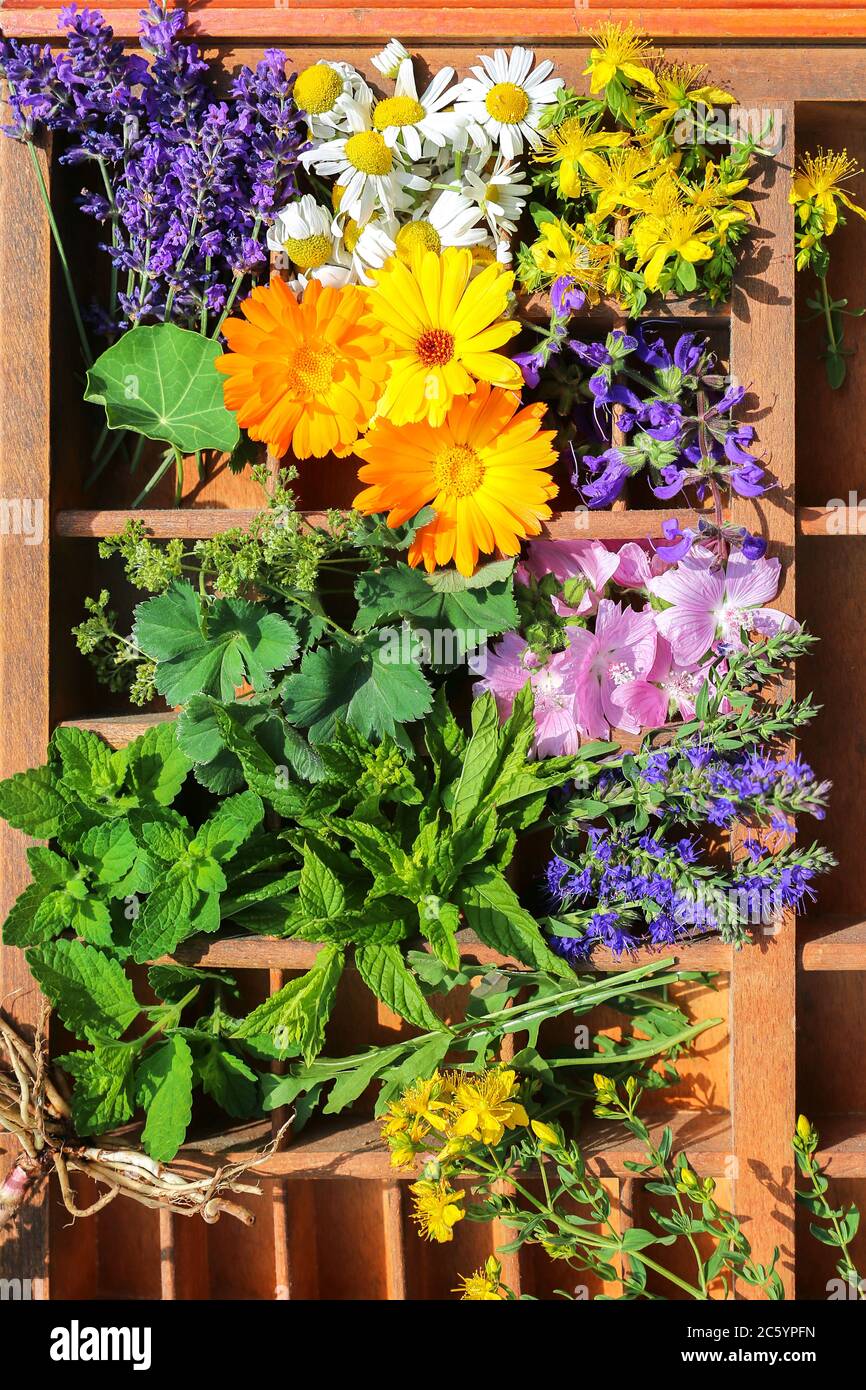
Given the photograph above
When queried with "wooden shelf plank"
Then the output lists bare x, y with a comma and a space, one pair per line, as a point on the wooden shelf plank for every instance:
832, 943
120, 729
354, 1148
274, 953
199, 523
24, 19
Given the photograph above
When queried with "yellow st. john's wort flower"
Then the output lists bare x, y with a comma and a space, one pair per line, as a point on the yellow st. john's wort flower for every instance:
443, 330
482, 1286
437, 1209
717, 196
684, 233
567, 146
486, 1106
817, 187
621, 52
621, 178
681, 86
563, 250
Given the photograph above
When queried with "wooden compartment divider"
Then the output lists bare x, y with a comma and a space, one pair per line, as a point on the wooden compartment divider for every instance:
745, 1142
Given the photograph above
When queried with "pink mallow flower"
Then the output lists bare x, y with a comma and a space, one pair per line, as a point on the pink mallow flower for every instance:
622, 649
587, 560
507, 671
710, 604
647, 701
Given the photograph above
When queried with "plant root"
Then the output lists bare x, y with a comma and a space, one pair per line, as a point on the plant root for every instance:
34, 1107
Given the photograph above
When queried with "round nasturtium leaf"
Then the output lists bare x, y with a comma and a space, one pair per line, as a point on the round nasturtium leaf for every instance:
160, 381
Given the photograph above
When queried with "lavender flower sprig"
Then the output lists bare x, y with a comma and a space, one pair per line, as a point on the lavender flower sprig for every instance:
187, 182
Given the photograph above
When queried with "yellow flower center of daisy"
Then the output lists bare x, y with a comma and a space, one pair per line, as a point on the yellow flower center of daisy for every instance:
458, 470
337, 196
414, 235
507, 103
351, 232
311, 370
368, 153
317, 88
435, 347
482, 255
308, 252
397, 111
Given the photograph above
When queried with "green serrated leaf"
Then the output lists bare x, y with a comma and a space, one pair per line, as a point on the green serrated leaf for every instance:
88, 988
493, 911
228, 1080
103, 1096
298, 1013
384, 971
365, 684
163, 1085
32, 801
211, 651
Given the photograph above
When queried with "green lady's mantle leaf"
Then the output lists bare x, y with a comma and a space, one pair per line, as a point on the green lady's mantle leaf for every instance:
160, 381
210, 651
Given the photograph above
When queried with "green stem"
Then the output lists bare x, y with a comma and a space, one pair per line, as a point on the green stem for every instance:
828, 317
167, 461
238, 281
61, 252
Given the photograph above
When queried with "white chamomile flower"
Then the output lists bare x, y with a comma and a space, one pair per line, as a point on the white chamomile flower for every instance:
369, 171
450, 220
500, 194
415, 121
325, 92
388, 61
302, 233
371, 247
506, 98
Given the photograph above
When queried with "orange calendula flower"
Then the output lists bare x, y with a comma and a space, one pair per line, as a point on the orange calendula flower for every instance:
482, 470
305, 373
443, 330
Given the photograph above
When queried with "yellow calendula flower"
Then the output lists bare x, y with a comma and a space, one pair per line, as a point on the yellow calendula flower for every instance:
483, 1285
483, 470
443, 329
680, 86
621, 179
685, 232
563, 250
817, 186
486, 1106
437, 1209
567, 146
621, 52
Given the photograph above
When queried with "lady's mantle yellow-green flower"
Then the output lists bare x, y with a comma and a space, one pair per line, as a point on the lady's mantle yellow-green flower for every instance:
486, 1106
621, 52
437, 1209
568, 145
684, 233
817, 187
